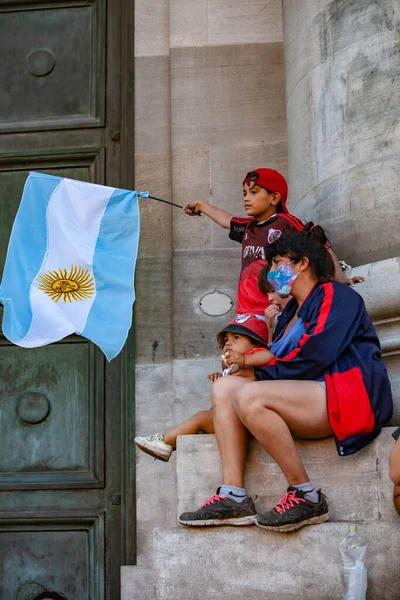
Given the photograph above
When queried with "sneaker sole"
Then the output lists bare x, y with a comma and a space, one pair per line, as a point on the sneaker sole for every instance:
164, 458
238, 522
294, 526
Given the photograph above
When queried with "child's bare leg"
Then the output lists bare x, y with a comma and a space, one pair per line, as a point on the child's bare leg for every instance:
201, 421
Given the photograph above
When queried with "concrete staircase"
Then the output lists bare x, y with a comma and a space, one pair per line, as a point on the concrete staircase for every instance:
252, 564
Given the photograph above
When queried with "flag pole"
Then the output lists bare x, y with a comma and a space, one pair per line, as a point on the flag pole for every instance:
147, 195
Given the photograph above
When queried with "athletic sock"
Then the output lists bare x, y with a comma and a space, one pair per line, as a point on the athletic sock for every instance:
310, 493
232, 492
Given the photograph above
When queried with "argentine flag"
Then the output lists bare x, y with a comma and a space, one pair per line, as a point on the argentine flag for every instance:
70, 264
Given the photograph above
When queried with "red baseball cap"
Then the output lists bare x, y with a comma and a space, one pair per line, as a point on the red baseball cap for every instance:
249, 325
270, 180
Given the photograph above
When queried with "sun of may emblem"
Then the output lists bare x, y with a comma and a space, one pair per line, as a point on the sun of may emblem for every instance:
78, 284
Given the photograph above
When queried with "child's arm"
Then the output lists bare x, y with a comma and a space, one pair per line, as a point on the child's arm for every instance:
258, 359
340, 275
218, 215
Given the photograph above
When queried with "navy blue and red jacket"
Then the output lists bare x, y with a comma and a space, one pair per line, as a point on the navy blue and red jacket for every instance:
339, 345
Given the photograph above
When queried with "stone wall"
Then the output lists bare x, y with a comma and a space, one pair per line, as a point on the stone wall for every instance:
342, 92
210, 106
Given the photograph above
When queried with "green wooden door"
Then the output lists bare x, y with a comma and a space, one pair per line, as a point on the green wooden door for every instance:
66, 491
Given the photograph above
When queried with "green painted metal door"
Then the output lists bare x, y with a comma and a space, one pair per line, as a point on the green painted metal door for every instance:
66, 504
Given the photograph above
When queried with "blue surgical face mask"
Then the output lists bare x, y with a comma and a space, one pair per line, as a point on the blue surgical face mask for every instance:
282, 279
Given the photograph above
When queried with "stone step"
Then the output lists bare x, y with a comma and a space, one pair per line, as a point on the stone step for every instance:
247, 562
357, 486
253, 564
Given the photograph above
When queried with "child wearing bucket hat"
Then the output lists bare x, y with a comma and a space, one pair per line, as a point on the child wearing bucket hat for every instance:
243, 343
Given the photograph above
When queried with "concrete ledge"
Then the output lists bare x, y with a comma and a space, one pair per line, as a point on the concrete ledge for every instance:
247, 562
358, 486
137, 582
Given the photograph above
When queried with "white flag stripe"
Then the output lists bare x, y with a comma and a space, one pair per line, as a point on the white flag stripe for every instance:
73, 220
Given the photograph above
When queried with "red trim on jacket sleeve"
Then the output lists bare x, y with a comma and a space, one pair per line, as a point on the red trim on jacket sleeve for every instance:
349, 407
293, 352
325, 308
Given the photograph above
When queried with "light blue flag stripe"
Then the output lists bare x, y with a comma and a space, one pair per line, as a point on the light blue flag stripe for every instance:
26, 253
110, 317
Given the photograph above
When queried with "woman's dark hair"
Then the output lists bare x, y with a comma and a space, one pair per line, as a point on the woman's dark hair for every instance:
263, 284
312, 243
50, 596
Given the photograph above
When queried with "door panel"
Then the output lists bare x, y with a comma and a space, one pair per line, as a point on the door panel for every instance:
59, 552
52, 403
66, 483
53, 78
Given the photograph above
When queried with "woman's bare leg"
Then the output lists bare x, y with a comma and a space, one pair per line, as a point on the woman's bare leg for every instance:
232, 436
274, 410
201, 421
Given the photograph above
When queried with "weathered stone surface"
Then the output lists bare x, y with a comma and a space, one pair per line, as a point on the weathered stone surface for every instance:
211, 101
153, 104
191, 181
251, 563
153, 309
342, 95
353, 484
201, 272
155, 480
137, 582
236, 22
192, 390
151, 27
188, 23
153, 173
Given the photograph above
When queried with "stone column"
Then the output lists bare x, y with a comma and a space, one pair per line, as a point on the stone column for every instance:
343, 97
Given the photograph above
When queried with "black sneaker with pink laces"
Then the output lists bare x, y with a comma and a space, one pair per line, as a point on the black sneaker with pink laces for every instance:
221, 511
294, 511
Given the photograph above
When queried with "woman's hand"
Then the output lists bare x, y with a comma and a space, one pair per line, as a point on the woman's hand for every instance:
214, 376
234, 358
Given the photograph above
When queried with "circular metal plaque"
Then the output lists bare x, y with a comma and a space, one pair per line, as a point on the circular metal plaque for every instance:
33, 408
216, 303
40, 62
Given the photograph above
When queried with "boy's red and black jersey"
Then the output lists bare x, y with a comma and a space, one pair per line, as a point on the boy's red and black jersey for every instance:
254, 237
339, 345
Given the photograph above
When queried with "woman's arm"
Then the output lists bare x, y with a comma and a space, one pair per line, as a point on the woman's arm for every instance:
333, 321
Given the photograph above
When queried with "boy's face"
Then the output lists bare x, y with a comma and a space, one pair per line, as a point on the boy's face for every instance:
258, 202
277, 301
236, 342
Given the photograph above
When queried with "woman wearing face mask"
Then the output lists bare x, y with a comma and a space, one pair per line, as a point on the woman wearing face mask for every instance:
327, 379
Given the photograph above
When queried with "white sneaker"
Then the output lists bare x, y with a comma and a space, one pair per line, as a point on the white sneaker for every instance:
155, 446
